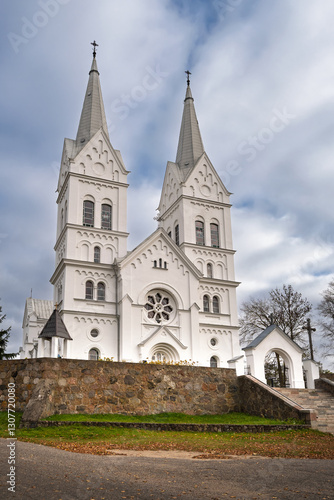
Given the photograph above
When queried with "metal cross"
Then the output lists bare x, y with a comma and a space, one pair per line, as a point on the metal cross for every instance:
188, 79
309, 331
94, 45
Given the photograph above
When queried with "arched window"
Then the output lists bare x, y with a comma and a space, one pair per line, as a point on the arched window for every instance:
93, 355
88, 213
62, 219
213, 362
206, 303
199, 225
106, 217
89, 290
177, 234
65, 212
214, 235
101, 291
97, 254
209, 271
215, 304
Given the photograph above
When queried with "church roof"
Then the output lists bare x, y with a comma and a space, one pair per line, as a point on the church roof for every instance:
42, 308
55, 327
190, 147
93, 115
265, 334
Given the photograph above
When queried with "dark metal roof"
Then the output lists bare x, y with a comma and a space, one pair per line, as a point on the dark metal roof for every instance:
55, 327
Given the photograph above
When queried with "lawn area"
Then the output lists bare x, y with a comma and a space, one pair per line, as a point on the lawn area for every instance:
99, 440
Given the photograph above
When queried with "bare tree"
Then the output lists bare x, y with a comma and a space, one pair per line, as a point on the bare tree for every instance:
283, 307
326, 309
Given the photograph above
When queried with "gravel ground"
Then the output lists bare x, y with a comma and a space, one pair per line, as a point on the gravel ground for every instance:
46, 473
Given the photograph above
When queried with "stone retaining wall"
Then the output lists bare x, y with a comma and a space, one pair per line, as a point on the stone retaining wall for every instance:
256, 398
176, 427
77, 386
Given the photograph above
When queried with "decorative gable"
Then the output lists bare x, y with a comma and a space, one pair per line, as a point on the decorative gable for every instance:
204, 182
98, 159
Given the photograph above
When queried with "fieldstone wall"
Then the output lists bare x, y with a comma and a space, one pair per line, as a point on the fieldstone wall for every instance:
77, 386
257, 398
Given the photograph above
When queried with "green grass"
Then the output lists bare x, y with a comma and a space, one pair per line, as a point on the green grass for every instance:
174, 418
102, 440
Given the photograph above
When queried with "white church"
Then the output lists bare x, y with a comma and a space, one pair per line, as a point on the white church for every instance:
173, 297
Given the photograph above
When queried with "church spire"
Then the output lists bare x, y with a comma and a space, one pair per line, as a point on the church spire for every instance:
92, 115
190, 146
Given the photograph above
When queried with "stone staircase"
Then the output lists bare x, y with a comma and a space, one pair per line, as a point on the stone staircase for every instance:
316, 399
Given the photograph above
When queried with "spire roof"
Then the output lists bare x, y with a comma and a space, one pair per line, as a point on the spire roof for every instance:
190, 146
92, 115
55, 327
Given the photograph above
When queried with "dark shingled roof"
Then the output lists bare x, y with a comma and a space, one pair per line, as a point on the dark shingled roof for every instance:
55, 327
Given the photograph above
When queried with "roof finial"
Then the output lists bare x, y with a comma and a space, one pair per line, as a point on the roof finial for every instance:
188, 79
94, 45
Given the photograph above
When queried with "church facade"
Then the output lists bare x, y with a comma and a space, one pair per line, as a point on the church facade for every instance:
173, 297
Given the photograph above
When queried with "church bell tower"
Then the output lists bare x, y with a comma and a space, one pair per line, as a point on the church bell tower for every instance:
91, 229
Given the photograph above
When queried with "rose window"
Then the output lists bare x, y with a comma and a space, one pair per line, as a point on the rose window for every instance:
158, 307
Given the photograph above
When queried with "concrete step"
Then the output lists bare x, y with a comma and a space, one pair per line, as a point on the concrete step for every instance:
316, 399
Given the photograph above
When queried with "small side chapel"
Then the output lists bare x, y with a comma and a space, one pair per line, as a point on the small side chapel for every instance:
171, 298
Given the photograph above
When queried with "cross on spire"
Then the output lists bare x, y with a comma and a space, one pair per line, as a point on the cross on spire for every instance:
94, 45
188, 79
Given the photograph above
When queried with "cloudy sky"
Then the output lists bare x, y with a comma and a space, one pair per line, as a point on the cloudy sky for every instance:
263, 83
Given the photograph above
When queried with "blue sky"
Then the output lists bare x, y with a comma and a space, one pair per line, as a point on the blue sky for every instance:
263, 83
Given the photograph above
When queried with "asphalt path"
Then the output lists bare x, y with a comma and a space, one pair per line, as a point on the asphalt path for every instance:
46, 473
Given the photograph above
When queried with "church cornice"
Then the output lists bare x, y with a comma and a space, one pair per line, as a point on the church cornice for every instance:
201, 249
78, 263
98, 181
89, 179
88, 314
86, 229
207, 203
215, 282
194, 200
